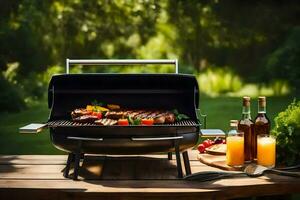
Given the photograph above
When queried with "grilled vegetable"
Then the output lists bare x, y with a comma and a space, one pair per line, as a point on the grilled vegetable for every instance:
100, 108
179, 116
89, 108
96, 108
134, 121
123, 122
147, 122
98, 114
113, 107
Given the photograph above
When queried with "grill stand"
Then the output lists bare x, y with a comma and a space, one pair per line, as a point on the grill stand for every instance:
170, 156
75, 157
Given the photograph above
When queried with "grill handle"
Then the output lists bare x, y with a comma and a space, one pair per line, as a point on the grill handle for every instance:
157, 138
119, 62
200, 116
85, 139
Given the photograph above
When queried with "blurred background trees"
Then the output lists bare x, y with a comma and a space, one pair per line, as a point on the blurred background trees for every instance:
234, 47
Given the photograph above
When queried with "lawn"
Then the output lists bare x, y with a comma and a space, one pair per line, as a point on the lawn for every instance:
219, 111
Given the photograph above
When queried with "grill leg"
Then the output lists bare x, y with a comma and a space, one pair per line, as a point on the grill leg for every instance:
77, 161
178, 160
169, 155
68, 165
186, 161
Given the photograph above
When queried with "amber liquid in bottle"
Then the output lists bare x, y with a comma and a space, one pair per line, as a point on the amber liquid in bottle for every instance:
246, 125
262, 123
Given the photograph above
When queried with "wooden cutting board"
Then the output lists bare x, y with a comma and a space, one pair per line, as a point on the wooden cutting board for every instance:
218, 161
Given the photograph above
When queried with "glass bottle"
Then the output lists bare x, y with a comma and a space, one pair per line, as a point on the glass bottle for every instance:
235, 146
262, 123
246, 126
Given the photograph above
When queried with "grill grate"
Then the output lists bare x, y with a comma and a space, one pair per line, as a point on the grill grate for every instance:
68, 123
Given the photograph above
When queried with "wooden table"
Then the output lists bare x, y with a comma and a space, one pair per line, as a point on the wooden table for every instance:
138, 177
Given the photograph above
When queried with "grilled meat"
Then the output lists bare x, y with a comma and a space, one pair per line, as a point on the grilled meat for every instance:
106, 122
159, 119
80, 112
170, 118
85, 119
114, 114
111, 117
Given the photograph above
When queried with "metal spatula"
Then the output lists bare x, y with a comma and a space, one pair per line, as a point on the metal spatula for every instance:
254, 170
251, 170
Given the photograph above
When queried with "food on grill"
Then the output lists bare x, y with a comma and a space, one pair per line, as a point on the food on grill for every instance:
159, 119
147, 122
123, 122
106, 122
115, 115
96, 108
85, 119
98, 114
113, 106
80, 112
170, 118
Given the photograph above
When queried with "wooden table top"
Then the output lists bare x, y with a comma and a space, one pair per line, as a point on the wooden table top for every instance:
115, 177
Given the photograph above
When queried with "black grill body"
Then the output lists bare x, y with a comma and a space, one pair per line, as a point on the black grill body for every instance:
149, 91
136, 91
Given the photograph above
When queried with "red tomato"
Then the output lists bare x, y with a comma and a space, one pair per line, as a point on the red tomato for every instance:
224, 141
207, 143
147, 122
98, 114
123, 122
201, 148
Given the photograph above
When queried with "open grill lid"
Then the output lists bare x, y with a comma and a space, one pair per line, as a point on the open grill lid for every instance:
137, 91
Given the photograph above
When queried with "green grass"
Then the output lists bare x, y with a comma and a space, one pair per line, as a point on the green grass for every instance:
219, 111
12, 142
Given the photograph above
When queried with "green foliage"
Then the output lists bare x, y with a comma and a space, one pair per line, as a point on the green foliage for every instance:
10, 97
284, 62
216, 81
287, 132
35, 35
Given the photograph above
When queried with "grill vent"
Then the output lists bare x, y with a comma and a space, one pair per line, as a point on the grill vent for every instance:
68, 123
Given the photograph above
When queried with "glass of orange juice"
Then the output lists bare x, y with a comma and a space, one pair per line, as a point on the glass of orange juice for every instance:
235, 146
266, 150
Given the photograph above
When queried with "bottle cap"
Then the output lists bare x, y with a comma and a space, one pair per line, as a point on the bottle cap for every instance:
246, 101
262, 101
234, 123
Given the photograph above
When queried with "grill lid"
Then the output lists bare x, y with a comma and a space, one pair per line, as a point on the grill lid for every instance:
137, 91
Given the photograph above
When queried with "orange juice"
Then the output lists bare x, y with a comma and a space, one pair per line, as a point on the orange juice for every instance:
266, 150
235, 150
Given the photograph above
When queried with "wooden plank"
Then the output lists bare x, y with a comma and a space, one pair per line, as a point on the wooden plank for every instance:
92, 171
61, 159
226, 188
40, 177
33, 159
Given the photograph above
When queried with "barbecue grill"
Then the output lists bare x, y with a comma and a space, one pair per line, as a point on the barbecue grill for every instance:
163, 91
